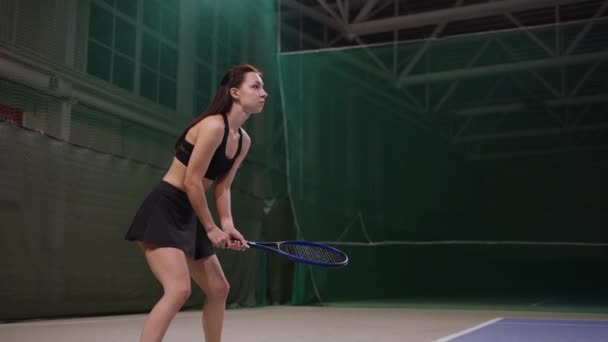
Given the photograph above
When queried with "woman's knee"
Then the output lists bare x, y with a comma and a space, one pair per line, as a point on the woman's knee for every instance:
208, 274
218, 289
179, 292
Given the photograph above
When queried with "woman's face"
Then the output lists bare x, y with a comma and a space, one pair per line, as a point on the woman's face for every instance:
251, 94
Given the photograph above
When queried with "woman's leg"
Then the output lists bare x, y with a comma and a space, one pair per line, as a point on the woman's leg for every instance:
208, 274
170, 267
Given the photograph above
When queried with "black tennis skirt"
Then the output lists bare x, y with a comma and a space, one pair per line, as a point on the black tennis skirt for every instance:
166, 218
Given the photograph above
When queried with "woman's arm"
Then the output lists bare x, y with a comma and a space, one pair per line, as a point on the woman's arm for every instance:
222, 192
209, 136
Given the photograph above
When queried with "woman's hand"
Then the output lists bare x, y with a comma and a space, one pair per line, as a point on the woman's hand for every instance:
218, 238
236, 240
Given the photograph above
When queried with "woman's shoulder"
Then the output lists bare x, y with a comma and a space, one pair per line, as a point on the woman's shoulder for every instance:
212, 124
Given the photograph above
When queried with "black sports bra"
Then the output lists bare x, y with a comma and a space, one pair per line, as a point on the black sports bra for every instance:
220, 164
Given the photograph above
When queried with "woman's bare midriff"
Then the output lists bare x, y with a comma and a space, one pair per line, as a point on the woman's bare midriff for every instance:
176, 174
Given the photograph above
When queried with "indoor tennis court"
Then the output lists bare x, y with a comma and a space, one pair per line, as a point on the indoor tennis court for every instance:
325, 324
454, 150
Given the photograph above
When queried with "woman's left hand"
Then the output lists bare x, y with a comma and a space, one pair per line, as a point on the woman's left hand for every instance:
237, 241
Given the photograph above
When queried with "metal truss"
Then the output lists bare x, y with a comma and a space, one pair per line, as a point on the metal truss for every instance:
564, 107
459, 12
484, 128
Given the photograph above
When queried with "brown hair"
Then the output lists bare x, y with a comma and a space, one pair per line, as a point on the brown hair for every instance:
222, 100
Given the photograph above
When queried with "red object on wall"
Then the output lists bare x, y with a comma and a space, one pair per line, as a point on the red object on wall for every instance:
11, 114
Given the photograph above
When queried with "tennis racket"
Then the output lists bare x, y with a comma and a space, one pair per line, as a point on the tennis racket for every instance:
311, 253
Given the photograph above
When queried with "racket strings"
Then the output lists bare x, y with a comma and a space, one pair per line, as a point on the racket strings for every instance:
313, 253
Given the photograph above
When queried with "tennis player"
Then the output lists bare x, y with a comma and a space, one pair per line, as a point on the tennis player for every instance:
174, 225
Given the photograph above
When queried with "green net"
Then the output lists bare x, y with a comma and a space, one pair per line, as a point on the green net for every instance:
449, 182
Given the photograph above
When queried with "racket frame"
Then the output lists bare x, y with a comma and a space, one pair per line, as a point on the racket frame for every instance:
275, 248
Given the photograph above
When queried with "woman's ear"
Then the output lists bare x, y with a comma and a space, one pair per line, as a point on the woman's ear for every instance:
234, 93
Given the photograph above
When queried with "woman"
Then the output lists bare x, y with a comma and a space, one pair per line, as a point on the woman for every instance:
174, 226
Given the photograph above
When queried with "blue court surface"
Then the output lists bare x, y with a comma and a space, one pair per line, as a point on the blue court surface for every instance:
533, 330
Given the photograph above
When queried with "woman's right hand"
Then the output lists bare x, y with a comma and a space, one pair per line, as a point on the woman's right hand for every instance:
218, 238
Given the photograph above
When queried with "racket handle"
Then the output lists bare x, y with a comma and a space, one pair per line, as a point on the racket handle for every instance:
239, 242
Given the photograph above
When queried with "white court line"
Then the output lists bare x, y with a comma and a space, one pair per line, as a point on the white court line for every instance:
558, 324
464, 332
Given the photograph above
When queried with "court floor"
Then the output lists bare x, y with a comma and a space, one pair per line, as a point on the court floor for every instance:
330, 324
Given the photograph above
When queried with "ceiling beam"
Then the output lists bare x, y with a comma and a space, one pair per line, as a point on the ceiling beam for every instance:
538, 152
315, 14
364, 12
477, 72
531, 133
450, 14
